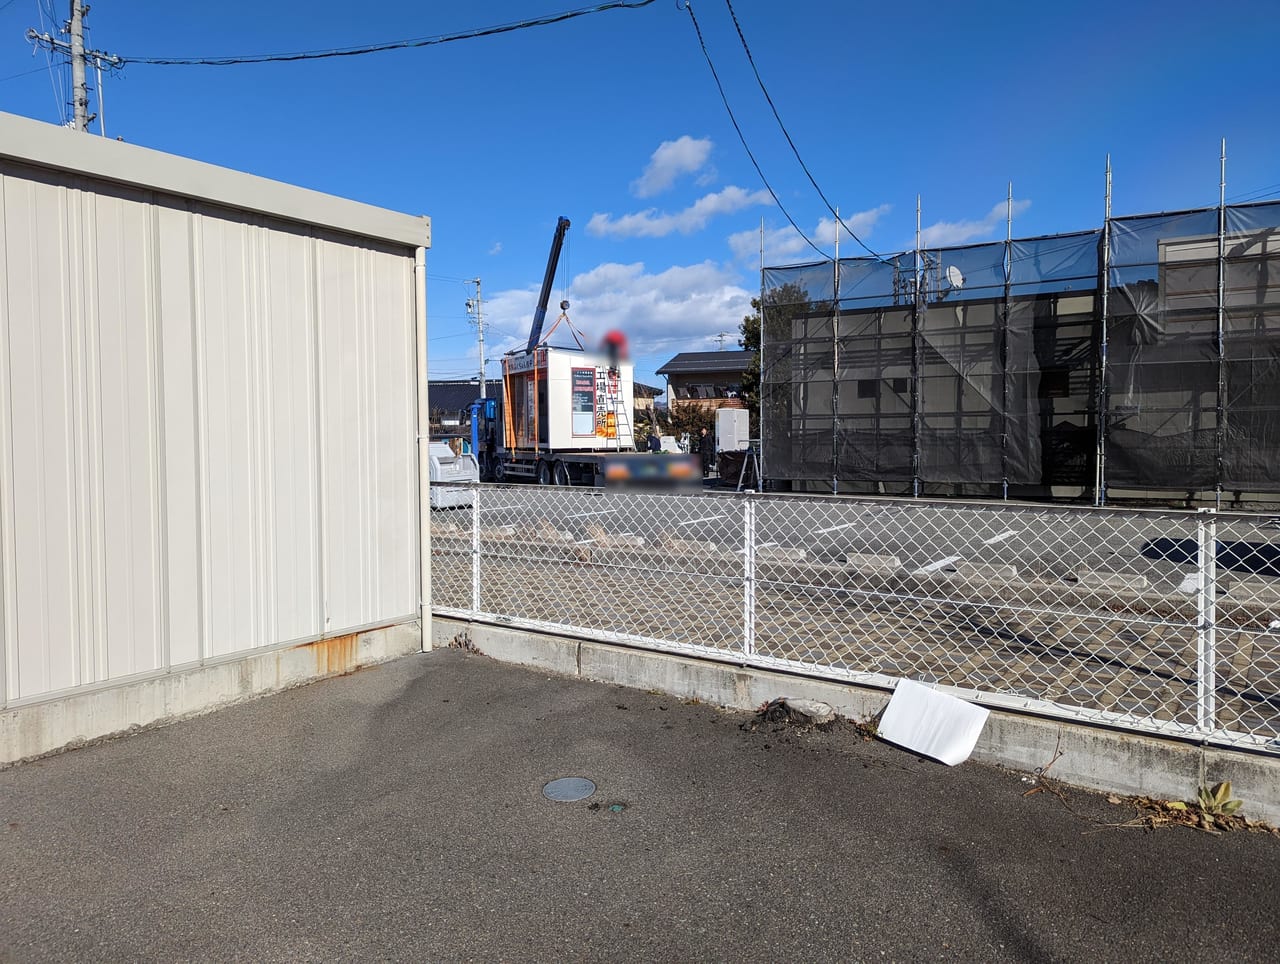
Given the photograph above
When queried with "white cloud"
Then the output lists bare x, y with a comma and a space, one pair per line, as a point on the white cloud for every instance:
785, 243
672, 158
497, 248
655, 224
678, 309
943, 233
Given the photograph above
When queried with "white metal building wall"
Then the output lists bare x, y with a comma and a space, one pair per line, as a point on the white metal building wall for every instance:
207, 431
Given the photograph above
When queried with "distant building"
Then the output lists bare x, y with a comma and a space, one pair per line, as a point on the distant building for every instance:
646, 396
450, 403
706, 379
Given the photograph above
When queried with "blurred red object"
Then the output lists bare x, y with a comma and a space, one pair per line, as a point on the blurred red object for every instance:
615, 345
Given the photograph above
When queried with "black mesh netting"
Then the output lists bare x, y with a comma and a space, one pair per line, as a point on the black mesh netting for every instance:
993, 372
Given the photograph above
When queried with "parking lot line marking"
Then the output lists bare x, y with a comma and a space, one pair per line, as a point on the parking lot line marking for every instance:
710, 518
1190, 583
935, 566
501, 508
580, 515
1007, 534
847, 525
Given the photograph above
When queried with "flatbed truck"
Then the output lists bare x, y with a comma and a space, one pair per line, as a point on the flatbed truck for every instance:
565, 415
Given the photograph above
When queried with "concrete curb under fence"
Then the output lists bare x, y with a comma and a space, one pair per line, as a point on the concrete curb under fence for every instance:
1092, 757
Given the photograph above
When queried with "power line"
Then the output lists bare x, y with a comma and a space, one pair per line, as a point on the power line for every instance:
33, 70
43, 9
390, 45
1255, 194
783, 127
79, 59
724, 98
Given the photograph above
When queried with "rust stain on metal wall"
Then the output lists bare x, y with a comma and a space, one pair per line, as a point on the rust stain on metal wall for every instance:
336, 655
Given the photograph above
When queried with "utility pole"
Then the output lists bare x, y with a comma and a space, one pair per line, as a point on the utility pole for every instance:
78, 56
475, 308
80, 92
720, 337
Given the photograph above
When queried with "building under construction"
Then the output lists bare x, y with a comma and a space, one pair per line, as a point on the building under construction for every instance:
1138, 360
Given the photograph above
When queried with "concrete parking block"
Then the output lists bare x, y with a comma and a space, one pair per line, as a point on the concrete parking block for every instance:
1104, 579
872, 564
782, 553
983, 571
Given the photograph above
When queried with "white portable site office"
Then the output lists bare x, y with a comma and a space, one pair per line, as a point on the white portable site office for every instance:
567, 400
213, 385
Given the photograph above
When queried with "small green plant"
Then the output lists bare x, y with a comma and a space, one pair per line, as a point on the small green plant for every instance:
868, 727
1216, 801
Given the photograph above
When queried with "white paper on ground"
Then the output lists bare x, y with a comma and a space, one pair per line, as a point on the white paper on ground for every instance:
933, 724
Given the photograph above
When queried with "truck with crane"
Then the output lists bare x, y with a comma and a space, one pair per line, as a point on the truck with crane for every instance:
565, 413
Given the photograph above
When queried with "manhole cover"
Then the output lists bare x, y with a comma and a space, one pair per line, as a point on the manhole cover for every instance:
568, 789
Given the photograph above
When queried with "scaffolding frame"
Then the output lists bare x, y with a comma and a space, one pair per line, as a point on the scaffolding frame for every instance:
1047, 373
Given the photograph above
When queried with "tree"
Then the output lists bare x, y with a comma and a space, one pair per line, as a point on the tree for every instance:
682, 420
749, 390
783, 305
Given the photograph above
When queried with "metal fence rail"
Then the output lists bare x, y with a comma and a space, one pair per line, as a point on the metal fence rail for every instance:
1164, 622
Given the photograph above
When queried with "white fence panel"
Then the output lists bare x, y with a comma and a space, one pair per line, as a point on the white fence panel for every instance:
42, 601
181, 467
368, 445
208, 432
118, 393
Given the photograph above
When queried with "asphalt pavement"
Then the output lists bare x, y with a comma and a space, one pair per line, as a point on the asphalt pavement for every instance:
398, 814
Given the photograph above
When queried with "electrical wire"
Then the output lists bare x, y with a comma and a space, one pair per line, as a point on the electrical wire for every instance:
564, 265
754, 163
55, 78
785, 133
33, 70
412, 43
1255, 195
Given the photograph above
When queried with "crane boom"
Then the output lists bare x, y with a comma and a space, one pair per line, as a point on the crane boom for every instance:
540, 313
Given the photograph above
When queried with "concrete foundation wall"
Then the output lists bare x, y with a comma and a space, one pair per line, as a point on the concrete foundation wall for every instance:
63, 722
1092, 757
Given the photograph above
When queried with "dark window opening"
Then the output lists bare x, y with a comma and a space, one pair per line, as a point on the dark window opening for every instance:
1055, 382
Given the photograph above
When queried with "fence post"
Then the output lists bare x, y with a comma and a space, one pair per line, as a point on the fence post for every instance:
1206, 620
475, 547
749, 574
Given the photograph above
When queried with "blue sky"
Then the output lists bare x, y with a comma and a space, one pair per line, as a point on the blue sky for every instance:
613, 120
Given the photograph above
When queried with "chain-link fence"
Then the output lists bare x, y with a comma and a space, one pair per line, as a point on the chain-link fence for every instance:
1163, 622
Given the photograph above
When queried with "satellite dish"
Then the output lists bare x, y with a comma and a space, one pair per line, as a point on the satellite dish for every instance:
954, 277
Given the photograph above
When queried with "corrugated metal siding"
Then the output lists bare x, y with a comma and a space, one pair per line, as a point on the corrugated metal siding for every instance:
207, 432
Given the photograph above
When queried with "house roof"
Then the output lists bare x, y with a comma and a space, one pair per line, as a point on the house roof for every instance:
648, 391
697, 362
454, 396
